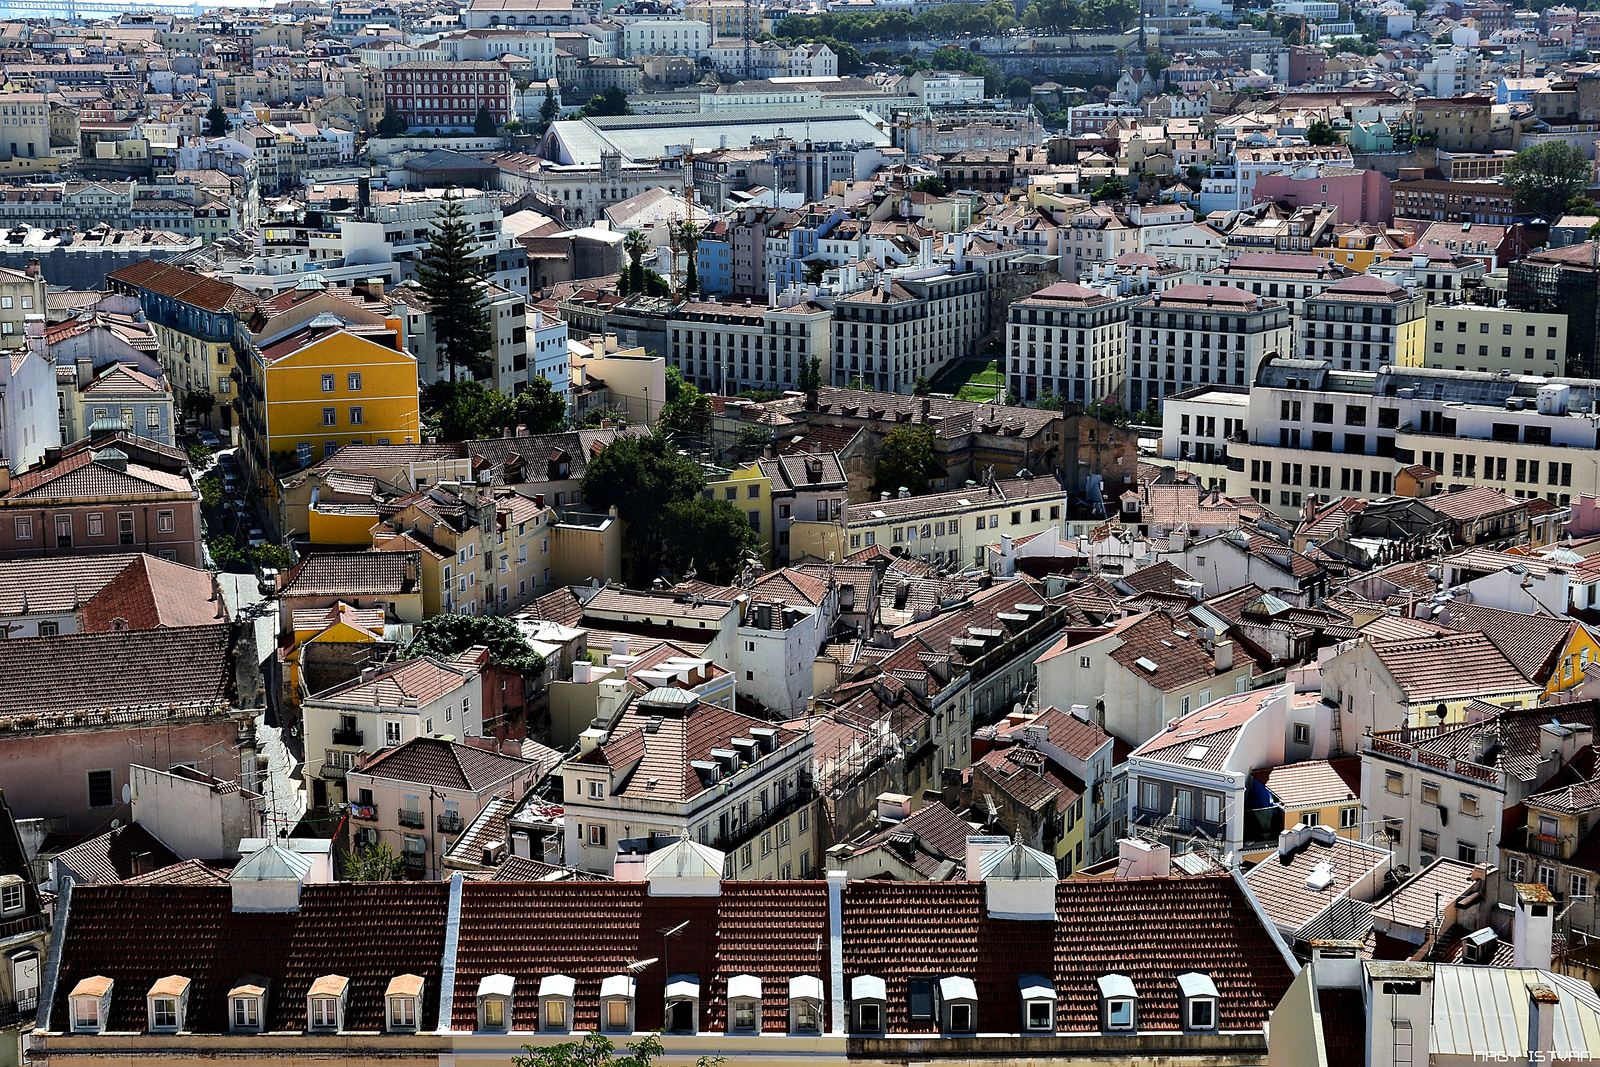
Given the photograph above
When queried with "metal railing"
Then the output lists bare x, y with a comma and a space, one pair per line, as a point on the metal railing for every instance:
413, 819
350, 738
764, 821
449, 823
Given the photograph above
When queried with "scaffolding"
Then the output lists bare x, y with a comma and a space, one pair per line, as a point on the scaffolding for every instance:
1570, 288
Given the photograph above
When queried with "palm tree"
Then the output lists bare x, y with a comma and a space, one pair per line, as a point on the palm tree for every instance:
689, 241
636, 244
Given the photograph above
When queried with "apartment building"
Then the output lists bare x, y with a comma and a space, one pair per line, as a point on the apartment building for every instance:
1069, 340
506, 370
908, 327
1314, 431
681, 37
449, 95
1443, 276
673, 763
1485, 201
1288, 276
729, 348
1492, 340
1363, 323
1552, 848
1192, 335
1094, 236
956, 527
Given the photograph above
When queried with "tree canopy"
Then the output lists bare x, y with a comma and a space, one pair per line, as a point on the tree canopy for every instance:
596, 1050
375, 863
611, 102
687, 409
216, 121
906, 460
447, 635
393, 124
452, 279
641, 476
712, 535
470, 411
1543, 178
483, 124
1320, 133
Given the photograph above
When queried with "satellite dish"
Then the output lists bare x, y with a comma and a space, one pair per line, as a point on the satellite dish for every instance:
127, 793
116, 824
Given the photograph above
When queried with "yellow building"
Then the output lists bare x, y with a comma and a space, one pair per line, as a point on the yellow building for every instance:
323, 628
1359, 245
1494, 339
1318, 793
1363, 323
749, 490
315, 389
726, 17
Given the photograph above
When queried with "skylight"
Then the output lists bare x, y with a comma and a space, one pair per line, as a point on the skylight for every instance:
1145, 665
1196, 752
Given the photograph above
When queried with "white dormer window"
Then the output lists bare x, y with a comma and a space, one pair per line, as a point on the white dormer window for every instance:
325, 1002
12, 895
91, 1002
402, 998
1119, 1002
959, 997
617, 1003
683, 1004
744, 1004
805, 1004
555, 1003
868, 997
247, 1014
324, 1013
1199, 995
1038, 1003
494, 1002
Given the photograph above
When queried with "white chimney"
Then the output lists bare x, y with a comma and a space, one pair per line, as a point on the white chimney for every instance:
590, 740
893, 807
1143, 859
1543, 1004
1081, 712
1531, 926
1178, 540
619, 646
1223, 654
580, 671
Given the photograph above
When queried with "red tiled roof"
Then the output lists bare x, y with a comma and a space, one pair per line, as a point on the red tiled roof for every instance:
446, 764
132, 674
423, 680
186, 872
1300, 785
153, 592
1448, 665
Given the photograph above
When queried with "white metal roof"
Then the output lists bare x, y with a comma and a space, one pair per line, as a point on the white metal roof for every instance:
744, 985
1483, 1012
556, 985
868, 987
618, 985
957, 987
1195, 984
496, 985
1116, 985
1036, 987
805, 987
684, 986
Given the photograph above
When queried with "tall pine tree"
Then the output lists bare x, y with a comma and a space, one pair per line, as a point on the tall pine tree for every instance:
452, 279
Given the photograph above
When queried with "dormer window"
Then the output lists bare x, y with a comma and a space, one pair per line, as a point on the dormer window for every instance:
744, 1004
555, 1003
12, 895
494, 1001
805, 1004
91, 1003
617, 1003
1199, 995
683, 1004
868, 996
325, 1003
1119, 1003
1038, 1003
958, 997
402, 999
167, 1004
245, 1003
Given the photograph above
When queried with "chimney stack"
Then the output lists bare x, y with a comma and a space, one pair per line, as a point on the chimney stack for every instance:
1532, 926
1543, 1004
1224, 655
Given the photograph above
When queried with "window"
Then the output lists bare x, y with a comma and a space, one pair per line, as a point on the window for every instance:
1430, 793
97, 525
1040, 1016
166, 522
494, 1014
355, 416
1119, 1014
1469, 804
101, 794
163, 1013
597, 834
11, 896
325, 1013
1466, 852
871, 1018
744, 1015
616, 1015
327, 383
1302, 733
961, 1018
1349, 817
1202, 1013
597, 790
1428, 841
355, 381
85, 1013
1579, 885
330, 416
1394, 782
246, 1013
402, 1013
24, 527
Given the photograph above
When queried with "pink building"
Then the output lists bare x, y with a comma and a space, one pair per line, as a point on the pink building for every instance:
1360, 195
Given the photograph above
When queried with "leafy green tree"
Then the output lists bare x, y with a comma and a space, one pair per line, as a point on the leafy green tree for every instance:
452, 279
1049, 401
270, 555
1320, 133
447, 635
216, 121
465, 411
687, 409
636, 244
199, 456
931, 185
210, 490
483, 124
598, 1051
906, 459
919, 387
198, 403
550, 108
810, 379
714, 535
540, 408
393, 124
880, 56
1155, 63
640, 476
1545, 177
611, 102
1019, 88
375, 863
1113, 188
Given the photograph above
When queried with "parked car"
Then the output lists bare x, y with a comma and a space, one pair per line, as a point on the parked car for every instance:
267, 580
210, 440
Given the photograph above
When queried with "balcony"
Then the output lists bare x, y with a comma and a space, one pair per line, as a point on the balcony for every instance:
415, 863
412, 819
1180, 824
765, 820
348, 738
333, 765
449, 823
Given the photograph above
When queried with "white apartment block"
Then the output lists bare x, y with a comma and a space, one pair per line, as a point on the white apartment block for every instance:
943, 88
1364, 323
906, 327
1495, 339
957, 527
1192, 247
1069, 340
676, 36
1192, 335
1196, 427
1095, 236
1315, 431
728, 348
547, 349
1287, 276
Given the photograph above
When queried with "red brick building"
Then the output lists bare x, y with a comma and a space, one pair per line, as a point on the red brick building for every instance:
448, 95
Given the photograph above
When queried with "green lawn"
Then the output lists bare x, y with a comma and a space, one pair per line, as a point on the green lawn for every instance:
971, 380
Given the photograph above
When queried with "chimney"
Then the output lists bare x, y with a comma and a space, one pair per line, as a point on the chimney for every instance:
1223, 655
590, 740
1178, 540
5, 477
1143, 859
1081, 712
1543, 1004
580, 671
1532, 926
34, 269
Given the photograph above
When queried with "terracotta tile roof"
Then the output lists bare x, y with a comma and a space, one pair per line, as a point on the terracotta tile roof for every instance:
185, 285
655, 757
1471, 503
56, 583
116, 854
1533, 642
152, 592
1279, 881
83, 474
368, 932
352, 574
1162, 577
1414, 903
1212, 728
1314, 782
115, 677
1180, 661
1505, 739
1448, 666
421, 680
1065, 731
184, 872
1150, 929
1028, 778
932, 840
447, 765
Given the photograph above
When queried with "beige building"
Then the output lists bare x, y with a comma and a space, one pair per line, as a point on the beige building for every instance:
732, 347
1070, 340
1494, 339
1364, 323
957, 527
1193, 335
